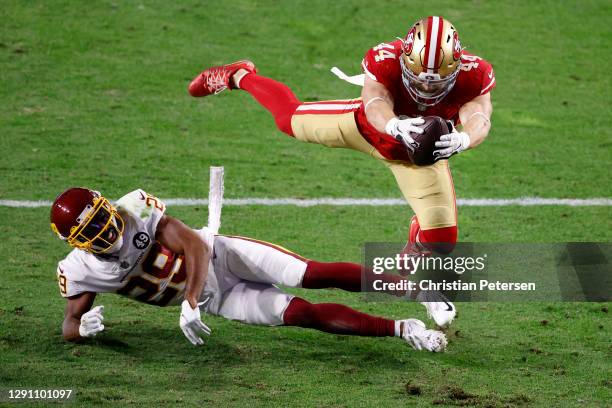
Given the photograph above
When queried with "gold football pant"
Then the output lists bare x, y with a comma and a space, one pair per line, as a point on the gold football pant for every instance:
428, 189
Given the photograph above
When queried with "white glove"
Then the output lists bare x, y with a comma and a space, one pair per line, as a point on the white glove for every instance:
191, 324
91, 322
401, 129
450, 144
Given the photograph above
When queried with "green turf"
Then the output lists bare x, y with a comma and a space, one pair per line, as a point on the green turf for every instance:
94, 93
502, 354
97, 94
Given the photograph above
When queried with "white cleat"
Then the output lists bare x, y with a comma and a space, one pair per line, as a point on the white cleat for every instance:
443, 313
439, 308
420, 338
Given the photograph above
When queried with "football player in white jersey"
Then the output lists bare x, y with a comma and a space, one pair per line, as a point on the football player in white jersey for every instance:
134, 249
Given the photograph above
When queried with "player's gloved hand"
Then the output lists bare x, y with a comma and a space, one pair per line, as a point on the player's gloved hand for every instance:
451, 143
191, 324
401, 129
416, 342
91, 322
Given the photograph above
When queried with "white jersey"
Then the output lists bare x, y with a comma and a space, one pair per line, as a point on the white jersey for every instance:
143, 269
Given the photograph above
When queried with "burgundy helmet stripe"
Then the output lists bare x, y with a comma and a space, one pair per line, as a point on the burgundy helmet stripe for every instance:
439, 44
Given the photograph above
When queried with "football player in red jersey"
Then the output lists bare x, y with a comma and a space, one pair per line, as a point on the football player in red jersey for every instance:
133, 249
425, 73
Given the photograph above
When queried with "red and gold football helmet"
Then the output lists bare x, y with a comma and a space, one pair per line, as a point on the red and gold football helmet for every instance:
86, 220
430, 60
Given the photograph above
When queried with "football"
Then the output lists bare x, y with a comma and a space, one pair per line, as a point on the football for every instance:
433, 128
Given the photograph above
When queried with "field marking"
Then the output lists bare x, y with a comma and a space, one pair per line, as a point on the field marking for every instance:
373, 202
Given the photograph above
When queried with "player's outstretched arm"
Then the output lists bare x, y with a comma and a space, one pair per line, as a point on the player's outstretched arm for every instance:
76, 307
378, 104
476, 118
181, 239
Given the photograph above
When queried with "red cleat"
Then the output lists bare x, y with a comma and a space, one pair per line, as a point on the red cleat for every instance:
414, 230
217, 79
412, 248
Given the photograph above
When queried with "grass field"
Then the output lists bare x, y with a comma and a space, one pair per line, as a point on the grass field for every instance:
95, 95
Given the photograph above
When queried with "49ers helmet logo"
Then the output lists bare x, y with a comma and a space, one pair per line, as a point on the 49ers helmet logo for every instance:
456, 46
409, 41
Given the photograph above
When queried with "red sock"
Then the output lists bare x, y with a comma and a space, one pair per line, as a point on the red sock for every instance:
336, 318
441, 240
343, 275
276, 97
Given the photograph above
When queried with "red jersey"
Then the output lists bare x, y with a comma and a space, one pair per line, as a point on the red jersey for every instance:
381, 64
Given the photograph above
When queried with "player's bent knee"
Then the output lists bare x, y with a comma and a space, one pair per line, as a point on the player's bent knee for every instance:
254, 303
283, 123
436, 216
283, 120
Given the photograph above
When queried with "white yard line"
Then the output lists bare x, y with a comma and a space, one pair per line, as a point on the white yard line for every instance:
374, 202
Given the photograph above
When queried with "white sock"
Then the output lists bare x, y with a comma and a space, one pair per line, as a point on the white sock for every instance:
398, 328
409, 294
237, 83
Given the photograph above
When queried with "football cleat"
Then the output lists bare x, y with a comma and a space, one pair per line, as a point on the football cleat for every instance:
439, 308
419, 338
412, 248
414, 229
217, 79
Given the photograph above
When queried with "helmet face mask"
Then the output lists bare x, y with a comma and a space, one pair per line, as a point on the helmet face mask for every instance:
430, 60
427, 89
87, 221
100, 228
